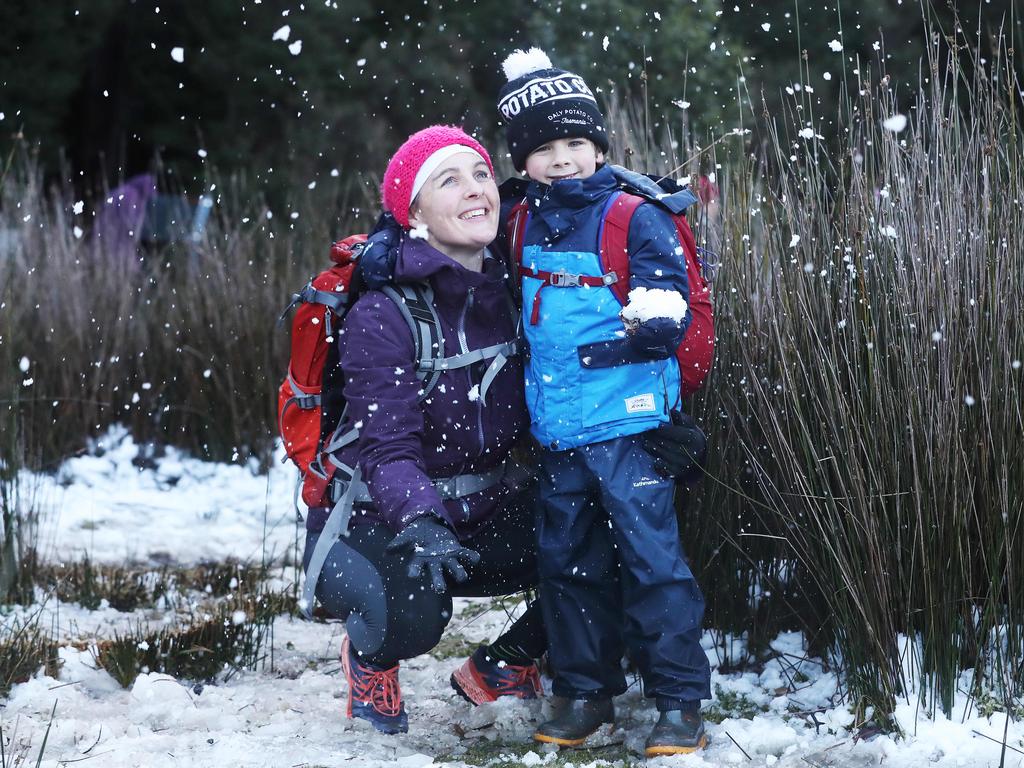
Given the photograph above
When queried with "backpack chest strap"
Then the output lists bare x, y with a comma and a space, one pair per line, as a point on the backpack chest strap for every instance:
563, 279
506, 348
498, 354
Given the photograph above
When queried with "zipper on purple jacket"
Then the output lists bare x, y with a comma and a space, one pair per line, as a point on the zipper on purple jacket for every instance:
464, 343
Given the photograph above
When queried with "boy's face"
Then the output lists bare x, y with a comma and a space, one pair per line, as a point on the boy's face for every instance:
562, 159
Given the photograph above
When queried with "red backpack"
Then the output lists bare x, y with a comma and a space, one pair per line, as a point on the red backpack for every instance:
311, 402
697, 349
321, 305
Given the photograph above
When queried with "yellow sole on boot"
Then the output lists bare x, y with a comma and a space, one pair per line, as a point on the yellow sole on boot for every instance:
670, 750
544, 738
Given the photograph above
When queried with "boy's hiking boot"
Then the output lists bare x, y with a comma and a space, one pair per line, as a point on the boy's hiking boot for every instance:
480, 679
373, 693
676, 733
576, 719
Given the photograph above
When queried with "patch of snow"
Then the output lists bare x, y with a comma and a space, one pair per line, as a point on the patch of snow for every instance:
896, 123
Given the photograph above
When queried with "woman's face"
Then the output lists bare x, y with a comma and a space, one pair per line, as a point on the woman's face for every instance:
458, 205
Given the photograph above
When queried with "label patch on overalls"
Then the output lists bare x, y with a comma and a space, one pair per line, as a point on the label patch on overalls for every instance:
641, 403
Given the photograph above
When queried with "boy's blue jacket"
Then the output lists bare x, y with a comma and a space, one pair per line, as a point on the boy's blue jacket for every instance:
586, 379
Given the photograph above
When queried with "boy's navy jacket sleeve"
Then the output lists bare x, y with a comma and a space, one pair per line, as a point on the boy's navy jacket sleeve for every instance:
656, 260
382, 394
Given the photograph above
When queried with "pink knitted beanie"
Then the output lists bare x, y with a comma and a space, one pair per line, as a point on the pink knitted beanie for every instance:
400, 176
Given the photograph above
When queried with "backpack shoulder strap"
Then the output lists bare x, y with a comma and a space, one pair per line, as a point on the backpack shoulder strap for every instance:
614, 241
416, 304
516, 224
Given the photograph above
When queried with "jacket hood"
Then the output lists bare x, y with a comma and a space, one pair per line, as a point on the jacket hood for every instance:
665, 192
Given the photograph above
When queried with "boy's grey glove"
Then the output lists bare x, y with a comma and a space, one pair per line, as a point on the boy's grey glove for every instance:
380, 253
679, 448
434, 549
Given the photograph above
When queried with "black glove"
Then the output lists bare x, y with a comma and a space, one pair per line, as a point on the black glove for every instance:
434, 549
649, 338
380, 253
679, 448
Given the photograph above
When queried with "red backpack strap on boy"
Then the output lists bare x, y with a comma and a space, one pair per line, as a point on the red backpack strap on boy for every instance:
516, 229
614, 247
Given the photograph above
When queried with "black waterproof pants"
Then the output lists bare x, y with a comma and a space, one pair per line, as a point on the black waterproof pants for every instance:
390, 616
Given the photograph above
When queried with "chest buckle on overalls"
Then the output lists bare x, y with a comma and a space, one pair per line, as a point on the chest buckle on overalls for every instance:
563, 279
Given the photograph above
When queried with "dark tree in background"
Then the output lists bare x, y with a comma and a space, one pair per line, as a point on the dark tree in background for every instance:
98, 82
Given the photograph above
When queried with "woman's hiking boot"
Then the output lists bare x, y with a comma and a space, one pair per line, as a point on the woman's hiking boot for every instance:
481, 679
373, 692
575, 720
676, 733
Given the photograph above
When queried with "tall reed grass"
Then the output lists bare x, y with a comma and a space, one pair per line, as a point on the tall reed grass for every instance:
867, 483
176, 341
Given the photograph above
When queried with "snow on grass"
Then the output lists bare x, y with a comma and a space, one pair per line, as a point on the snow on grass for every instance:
783, 713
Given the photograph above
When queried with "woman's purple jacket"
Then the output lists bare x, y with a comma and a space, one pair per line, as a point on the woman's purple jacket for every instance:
405, 442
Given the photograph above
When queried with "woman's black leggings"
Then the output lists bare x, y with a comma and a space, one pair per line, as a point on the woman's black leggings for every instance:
390, 616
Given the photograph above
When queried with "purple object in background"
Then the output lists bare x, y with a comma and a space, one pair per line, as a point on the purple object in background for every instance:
119, 222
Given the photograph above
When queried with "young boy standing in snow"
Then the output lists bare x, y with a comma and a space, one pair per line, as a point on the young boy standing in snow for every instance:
599, 375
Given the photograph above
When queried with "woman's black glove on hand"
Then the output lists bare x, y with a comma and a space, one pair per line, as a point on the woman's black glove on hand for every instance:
679, 448
380, 254
433, 549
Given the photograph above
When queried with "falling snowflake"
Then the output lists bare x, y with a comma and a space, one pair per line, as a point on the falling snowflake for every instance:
178, 54
807, 133
896, 123
889, 231
295, 48
282, 33
794, 241
969, 400
604, 43
835, 45
78, 207
766, 26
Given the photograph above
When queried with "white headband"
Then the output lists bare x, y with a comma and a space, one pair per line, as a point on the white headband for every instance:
431, 164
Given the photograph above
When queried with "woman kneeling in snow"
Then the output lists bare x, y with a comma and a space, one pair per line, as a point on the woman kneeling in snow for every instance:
443, 511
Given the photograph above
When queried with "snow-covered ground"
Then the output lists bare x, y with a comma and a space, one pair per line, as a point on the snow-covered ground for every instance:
185, 511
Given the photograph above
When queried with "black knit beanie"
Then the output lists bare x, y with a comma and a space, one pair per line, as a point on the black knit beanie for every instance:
541, 103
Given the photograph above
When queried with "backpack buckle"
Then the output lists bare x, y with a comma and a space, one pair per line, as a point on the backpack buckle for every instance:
563, 279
